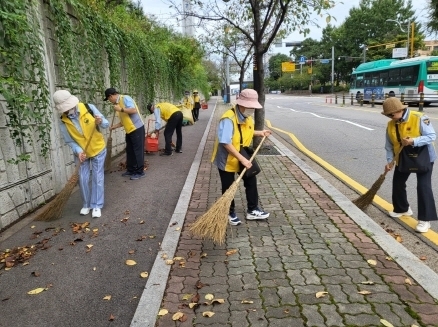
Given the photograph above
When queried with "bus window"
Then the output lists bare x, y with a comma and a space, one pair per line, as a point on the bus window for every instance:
359, 81
375, 79
367, 80
394, 77
384, 78
353, 81
406, 76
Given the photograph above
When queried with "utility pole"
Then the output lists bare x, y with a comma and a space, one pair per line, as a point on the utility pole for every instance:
333, 68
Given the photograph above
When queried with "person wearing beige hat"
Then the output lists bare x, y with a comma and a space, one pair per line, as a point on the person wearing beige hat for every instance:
77, 124
410, 129
237, 125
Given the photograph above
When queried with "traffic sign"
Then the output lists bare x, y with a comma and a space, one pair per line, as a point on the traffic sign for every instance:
287, 67
324, 61
302, 60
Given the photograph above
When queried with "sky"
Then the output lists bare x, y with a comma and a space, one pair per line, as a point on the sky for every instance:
160, 8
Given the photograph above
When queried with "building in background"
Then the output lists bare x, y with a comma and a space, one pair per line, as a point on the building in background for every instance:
429, 47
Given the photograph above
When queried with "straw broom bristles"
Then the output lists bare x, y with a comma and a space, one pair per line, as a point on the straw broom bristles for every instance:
54, 209
213, 224
367, 198
109, 148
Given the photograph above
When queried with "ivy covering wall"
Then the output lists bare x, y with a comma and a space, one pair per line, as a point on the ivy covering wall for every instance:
97, 44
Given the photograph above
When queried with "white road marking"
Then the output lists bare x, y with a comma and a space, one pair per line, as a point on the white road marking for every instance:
343, 120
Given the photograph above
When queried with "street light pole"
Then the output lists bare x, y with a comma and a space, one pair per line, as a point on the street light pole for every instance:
409, 30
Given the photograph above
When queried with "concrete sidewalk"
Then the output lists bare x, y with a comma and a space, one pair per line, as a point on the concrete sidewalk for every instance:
315, 241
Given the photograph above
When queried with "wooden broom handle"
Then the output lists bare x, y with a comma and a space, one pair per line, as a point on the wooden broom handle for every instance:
86, 148
112, 122
393, 160
251, 159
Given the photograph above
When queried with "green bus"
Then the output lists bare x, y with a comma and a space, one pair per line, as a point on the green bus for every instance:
393, 77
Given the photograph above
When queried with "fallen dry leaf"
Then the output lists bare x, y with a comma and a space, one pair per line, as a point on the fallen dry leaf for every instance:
398, 238
372, 262
203, 255
364, 292
107, 297
247, 302
192, 305
208, 314
221, 301
388, 258
142, 222
408, 281
230, 252
35, 273
209, 297
177, 316
187, 296
178, 258
131, 251
144, 274
37, 291
368, 282
163, 312
130, 262
164, 256
89, 246
111, 317
423, 258
320, 294
169, 262
386, 323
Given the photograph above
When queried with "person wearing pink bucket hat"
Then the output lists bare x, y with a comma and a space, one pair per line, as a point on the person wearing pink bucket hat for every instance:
236, 130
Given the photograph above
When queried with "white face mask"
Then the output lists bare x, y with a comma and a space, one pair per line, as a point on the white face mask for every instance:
71, 113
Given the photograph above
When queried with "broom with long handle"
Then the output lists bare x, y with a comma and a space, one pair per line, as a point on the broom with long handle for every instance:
213, 224
366, 199
109, 148
54, 209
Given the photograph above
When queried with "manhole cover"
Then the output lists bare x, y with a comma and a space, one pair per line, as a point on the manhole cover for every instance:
268, 150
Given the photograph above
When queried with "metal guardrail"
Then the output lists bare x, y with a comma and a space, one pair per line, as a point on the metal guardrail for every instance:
410, 98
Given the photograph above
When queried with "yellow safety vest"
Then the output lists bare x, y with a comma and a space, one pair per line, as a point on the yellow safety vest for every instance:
124, 117
166, 110
410, 127
247, 128
88, 124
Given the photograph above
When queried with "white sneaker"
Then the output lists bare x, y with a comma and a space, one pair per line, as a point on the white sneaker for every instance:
96, 213
84, 211
399, 214
256, 214
423, 226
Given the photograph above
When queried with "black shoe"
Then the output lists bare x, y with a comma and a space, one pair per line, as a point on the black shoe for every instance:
137, 176
166, 154
178, 151
127, 173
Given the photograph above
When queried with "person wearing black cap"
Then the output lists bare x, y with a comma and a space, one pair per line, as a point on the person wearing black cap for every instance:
130, 118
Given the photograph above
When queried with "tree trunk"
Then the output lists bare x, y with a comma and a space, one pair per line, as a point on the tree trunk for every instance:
259, 86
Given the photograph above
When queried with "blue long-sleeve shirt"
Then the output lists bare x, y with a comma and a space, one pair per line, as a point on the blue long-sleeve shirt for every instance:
75, 120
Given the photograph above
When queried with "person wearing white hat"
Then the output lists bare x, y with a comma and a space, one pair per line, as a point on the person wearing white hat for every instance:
77, 125
236, 127
410, 129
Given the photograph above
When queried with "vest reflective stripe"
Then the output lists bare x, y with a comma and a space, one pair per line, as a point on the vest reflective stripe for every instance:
411, 128
166, 110
125, 118
87, 123
232, 164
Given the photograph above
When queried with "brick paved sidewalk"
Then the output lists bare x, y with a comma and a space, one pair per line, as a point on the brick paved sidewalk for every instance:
308, 245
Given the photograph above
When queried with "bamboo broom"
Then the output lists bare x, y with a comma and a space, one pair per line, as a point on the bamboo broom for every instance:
109, 148
54, 209
213, 224
366, 199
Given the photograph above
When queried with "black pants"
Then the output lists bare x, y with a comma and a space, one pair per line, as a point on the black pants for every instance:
174, 123
196, 112
135, 151
252, 195
426, 202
